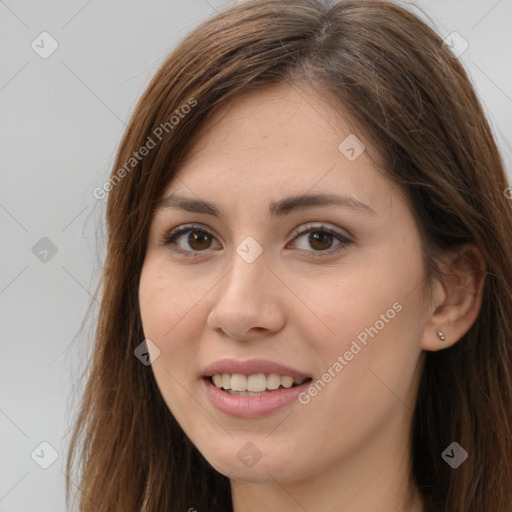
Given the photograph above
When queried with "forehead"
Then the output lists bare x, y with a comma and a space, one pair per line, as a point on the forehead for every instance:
278, 116
278, 142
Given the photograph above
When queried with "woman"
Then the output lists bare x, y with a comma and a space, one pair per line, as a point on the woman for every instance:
308, 282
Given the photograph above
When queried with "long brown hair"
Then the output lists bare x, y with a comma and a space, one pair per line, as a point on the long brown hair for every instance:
412, 98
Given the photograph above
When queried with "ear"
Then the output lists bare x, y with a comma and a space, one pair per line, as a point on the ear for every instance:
457, 299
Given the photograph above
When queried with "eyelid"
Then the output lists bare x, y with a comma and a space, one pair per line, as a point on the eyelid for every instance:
170, 235
310, 226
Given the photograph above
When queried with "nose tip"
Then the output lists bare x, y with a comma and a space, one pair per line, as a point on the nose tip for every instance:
247, 304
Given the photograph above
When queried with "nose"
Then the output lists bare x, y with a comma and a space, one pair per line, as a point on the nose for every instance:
248, 303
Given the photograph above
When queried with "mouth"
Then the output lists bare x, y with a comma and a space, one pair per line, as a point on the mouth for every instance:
257, 385
253, 388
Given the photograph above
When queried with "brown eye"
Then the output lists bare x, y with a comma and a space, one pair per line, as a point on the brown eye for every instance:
320, 240
190, 239
199, 240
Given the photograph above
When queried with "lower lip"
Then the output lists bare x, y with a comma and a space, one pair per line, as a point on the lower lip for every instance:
252, 406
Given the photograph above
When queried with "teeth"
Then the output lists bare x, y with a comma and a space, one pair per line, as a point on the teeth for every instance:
253, 385
286, 382
273, 381
256, 383
226, 381
239, 382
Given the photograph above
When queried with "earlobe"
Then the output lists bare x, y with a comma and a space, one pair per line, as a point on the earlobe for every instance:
457, 299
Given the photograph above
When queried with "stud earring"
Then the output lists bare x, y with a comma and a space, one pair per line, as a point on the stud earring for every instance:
440, 335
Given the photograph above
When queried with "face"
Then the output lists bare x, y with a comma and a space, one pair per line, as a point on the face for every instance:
263, 289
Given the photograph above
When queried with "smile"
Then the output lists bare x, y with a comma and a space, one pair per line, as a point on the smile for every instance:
250, 405
238, 384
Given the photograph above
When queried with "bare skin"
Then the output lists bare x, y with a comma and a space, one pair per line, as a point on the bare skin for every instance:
302, 303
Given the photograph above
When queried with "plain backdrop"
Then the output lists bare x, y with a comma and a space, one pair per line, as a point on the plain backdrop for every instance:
61, 119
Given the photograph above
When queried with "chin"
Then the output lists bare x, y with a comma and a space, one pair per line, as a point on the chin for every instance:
251, 464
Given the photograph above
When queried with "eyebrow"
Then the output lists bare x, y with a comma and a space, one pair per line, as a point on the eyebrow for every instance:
279, 208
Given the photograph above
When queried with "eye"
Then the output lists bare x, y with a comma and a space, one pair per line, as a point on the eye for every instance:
321, 240
198, 239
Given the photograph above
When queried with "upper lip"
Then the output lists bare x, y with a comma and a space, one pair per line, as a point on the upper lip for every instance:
251, 367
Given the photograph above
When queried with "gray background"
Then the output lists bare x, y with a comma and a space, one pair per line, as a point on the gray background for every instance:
61, 121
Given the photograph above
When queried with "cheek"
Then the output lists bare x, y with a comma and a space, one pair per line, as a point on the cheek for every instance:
172, 307
370, 330
368, 366
165, 308
361, 299
166, 298
380, 364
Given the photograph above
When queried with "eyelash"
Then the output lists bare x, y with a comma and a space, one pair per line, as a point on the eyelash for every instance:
170, 238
